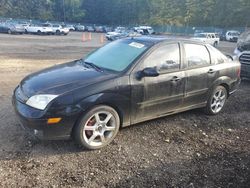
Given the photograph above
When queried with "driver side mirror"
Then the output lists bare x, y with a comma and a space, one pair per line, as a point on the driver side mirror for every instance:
147, 72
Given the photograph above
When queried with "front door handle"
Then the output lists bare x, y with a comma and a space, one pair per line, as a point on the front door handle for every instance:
175, 79
211, 71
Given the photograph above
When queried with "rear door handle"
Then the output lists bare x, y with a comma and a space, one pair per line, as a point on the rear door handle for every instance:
211, 71
175, 79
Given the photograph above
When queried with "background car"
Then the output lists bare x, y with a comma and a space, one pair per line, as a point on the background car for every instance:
16, 28
79, 27
208, 38
99, 29
58, 29
90, 29
4, 28
144, 30
232, 36
39, 29
70, 27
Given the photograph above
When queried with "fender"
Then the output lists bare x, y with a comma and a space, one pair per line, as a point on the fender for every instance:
225, 81
119, 102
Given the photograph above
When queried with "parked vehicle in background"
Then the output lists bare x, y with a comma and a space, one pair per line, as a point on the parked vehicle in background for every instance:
79, 27
4, 28
107, 29
60, 30
120, 32
70, 27
99, 29
123, 83
232, 36
222, 36
144, 30
243, 53
208, 38
90, 29
12, 28
39, 29
16, 29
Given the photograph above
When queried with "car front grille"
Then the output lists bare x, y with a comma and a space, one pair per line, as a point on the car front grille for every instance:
245, 58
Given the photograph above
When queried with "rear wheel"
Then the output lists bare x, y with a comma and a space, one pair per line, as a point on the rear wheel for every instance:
216, 101
58, 32
97, 128
9, 31
39, 32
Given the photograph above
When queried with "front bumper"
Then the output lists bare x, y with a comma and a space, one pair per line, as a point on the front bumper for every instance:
35, 123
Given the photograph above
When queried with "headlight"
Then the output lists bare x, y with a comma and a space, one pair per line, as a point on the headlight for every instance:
40, 101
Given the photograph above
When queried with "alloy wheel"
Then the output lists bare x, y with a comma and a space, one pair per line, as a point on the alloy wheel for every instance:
99, 129
218, 101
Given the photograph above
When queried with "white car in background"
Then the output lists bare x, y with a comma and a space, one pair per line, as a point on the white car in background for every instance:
144, 30
120, 32
39, 29
70, 27
208, 38
58, 29
232, 36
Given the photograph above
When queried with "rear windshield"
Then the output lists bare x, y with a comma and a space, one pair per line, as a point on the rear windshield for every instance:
117, 55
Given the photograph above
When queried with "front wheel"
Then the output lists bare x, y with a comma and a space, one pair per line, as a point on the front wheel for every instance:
97, 128
215, 44
216, 101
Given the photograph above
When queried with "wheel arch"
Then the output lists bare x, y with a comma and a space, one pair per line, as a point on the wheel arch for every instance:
120, 103
222, 81
226, 86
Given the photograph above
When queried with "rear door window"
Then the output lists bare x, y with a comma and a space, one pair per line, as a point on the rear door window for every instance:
196, 55
217, 56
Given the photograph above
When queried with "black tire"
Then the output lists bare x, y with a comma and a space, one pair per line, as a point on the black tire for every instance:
39, 32
26, 32
215, 44
80, 134
209, 109
58, 32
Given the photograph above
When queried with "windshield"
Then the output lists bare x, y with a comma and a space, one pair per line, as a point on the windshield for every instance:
200, 35
235, 34
116, 56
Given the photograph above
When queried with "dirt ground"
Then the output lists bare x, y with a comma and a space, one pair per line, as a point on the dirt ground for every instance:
184, 150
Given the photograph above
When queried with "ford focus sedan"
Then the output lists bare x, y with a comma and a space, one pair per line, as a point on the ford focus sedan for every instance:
123, 83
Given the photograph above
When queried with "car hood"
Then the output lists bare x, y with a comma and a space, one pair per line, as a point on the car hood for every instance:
63, 78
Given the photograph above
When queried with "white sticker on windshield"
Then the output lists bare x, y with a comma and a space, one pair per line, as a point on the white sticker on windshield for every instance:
136, 45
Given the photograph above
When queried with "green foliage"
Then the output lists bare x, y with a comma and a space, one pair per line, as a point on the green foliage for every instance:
222, 13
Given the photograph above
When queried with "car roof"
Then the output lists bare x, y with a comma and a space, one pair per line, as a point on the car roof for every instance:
158, 39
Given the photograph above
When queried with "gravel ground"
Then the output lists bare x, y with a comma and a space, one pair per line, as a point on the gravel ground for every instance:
184, 150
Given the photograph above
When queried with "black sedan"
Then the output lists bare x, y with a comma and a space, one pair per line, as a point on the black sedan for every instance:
123, 83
